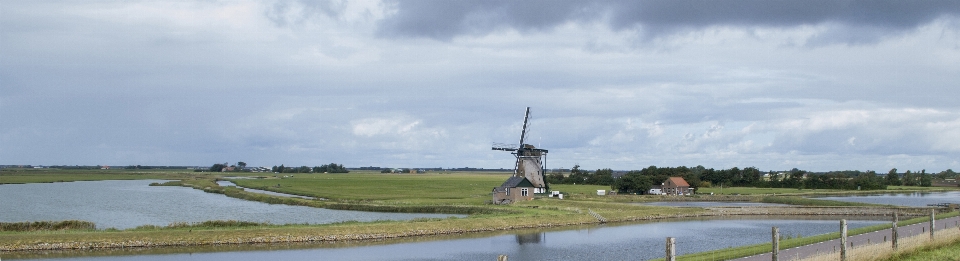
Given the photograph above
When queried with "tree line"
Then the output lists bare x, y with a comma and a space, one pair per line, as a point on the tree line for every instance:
640, 181
326, 168
220, 167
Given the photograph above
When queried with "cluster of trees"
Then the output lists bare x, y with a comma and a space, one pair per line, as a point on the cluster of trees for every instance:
326, 168
401, 170
219, 167
640, 181
844, 180
578, 176
947, 174
915, 179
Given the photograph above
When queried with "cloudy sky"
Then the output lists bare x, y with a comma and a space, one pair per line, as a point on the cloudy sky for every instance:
816, 85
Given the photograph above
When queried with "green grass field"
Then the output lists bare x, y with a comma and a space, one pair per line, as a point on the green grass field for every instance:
466, 188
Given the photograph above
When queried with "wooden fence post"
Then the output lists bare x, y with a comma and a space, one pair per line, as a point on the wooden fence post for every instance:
776, 244
896, 219
843, 240
671, 251
933, 215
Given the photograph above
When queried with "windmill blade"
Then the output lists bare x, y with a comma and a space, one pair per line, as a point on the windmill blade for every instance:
526, 119
503, 146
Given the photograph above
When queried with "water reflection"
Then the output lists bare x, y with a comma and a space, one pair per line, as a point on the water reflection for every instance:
530, 238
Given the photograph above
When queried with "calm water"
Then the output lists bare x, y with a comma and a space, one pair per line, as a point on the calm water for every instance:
224, 183
703, 204
625, 242
903, 199
130, 203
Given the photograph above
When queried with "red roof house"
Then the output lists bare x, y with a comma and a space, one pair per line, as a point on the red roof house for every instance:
676, 186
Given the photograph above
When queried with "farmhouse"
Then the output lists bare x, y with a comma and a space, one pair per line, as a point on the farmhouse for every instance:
676, 186
513, 190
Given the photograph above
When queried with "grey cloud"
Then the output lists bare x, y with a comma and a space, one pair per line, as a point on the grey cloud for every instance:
446, 19
286, 13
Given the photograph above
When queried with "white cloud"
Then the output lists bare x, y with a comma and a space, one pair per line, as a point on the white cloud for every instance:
307, 83
381, 126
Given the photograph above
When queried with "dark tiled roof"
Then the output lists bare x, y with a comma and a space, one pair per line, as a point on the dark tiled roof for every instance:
513, 182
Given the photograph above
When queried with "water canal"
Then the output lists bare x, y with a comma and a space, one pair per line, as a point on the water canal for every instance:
640, 241
915, 199
705, 204
125, 204
226, 183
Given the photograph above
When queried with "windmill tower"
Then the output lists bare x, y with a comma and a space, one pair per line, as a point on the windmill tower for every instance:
530, 160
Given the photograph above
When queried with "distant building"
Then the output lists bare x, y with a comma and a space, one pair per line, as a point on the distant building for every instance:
513, 190
676, 186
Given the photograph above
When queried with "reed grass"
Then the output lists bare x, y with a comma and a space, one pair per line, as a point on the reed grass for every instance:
210, 224
47, 225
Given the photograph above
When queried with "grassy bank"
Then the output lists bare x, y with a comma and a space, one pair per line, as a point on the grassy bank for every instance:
744, 251
801, 201
947, 251
24, 176
944, 246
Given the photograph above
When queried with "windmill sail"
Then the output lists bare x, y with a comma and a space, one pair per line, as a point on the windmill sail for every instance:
523, 133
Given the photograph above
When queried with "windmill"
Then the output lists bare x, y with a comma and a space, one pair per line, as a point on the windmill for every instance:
530, 160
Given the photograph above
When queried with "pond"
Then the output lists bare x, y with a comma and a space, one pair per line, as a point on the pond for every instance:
125, 204
639, 241
916, 199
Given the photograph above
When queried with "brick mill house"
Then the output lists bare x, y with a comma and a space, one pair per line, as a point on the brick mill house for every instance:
513, 190
676, 186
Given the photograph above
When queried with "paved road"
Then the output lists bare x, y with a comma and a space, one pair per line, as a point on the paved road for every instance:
858, 240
